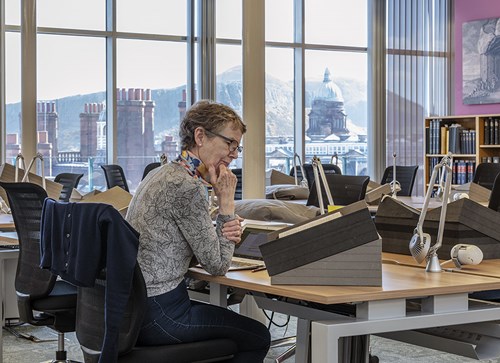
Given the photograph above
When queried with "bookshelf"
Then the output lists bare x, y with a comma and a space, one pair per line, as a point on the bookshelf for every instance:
470, 138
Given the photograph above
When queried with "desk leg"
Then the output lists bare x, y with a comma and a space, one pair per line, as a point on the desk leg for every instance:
302, 353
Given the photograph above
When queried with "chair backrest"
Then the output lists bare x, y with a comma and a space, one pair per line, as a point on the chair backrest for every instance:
345, 189
238, 194
150, 167
115, 176
90, 327
494, 202
485, 174
68, 181
308, 170
26, 202
405, 175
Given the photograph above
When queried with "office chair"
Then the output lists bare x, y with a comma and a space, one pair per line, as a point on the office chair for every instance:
494, 202
308, 170
238, 194
150, 167
42, 299
90, 330
485, 174
405, 175
345, 189
115, 305
115, 176
68, 181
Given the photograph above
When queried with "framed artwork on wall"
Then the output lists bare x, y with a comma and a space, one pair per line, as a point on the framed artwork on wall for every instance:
481, 61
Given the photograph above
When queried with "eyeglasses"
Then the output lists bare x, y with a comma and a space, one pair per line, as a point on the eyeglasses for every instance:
231, 143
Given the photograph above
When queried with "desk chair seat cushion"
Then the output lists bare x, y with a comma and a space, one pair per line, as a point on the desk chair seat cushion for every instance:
275, 210
63, 296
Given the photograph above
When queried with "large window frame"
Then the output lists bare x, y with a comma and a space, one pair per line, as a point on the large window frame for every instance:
201, 58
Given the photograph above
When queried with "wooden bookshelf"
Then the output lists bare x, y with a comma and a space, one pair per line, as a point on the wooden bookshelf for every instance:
474, 148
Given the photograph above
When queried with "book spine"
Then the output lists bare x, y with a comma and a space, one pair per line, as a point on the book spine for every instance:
472, 142
442, 139
492, 133
495, 142
486, 132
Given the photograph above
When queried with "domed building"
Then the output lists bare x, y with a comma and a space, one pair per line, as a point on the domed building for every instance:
327, 114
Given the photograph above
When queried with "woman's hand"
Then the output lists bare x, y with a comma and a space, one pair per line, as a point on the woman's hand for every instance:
224, 187
232, 230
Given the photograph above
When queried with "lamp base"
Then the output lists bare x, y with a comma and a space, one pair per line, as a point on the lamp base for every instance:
433, 264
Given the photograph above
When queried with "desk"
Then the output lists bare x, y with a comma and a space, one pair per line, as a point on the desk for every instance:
7, 222
444, 301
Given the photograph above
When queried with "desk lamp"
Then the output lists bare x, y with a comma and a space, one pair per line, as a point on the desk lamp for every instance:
395, 186
318, 171
420, 243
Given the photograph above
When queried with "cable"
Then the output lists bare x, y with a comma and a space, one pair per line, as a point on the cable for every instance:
271, 322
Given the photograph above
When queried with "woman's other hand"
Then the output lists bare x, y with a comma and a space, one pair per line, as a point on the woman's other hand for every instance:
224, 186
233, 230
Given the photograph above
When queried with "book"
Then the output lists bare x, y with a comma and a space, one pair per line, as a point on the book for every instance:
486, 132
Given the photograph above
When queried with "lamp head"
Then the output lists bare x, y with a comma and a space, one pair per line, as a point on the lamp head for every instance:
419, 245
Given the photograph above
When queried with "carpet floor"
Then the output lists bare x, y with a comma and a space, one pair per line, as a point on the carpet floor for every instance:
21, 350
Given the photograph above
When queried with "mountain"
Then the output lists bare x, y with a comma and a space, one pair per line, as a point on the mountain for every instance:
279, 107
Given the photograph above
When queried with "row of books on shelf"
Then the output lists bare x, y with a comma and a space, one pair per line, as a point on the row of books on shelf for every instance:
492, 131
462, 170
490, 159
443, 138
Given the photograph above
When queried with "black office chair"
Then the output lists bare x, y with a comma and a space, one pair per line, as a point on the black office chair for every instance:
405, 175
345, 189
494, 202
41, 299
68, 181
115, 176
90, 330
308, 170
485, 174
150, 167
238, 193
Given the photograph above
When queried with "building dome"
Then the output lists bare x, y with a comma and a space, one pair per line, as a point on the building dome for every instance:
329, 91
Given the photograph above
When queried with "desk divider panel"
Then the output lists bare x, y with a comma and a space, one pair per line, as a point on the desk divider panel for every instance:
340, 248
8, 174
466, 222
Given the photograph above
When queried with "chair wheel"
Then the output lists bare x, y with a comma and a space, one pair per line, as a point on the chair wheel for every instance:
373, 359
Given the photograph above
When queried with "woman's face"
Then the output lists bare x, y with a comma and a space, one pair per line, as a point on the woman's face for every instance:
215, 149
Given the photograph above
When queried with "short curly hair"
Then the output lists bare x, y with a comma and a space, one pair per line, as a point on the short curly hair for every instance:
210, 115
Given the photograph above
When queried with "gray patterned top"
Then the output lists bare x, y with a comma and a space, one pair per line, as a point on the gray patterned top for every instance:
170, 211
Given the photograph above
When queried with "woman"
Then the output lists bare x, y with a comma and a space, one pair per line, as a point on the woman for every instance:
170, 209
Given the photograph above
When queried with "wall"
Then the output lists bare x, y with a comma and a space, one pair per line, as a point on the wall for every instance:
468, 10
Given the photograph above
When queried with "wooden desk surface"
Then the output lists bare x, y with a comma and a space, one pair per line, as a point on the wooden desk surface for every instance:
488, 268
6, 222
398, 281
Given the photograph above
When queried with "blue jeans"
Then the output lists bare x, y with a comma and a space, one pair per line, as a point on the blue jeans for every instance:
173, 318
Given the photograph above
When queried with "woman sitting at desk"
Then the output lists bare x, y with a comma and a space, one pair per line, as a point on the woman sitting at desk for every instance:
170, 209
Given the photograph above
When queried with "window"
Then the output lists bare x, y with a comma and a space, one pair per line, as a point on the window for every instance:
332, 85
151, 80
418, 61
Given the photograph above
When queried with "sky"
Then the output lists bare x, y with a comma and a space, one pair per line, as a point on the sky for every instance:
76, 65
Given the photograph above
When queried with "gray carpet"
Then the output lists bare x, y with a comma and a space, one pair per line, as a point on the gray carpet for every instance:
20, 350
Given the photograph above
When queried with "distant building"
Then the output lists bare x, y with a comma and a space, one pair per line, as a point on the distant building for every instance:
327, 114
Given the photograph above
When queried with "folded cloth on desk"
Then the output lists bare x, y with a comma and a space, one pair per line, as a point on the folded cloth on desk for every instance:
274, 210
287, 192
